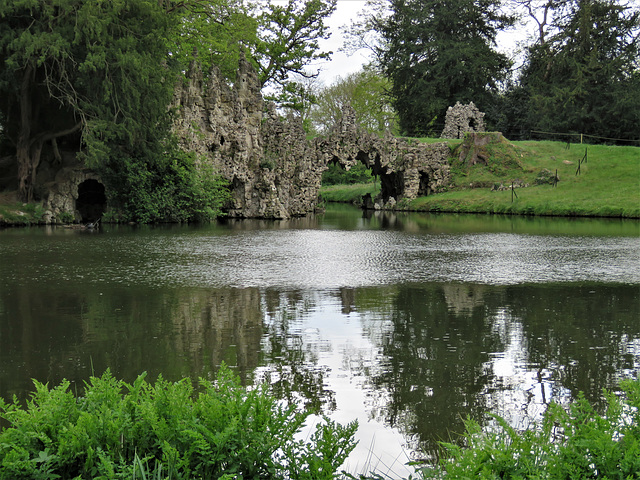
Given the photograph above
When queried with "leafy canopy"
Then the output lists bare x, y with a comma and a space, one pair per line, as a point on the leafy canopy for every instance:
367, 91
438, 52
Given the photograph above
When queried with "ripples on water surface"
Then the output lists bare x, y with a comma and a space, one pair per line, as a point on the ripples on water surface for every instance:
408, 323
307, 258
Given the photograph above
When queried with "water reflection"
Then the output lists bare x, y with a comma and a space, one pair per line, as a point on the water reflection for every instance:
400, 321
409, 359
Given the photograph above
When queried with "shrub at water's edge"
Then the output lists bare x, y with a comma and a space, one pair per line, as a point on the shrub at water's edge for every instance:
574, 443
223, 430
165, 430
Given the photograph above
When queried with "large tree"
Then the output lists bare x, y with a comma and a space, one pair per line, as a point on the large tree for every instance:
100, 74
90, 67
289, 44
438, 52
280, 38
585, 76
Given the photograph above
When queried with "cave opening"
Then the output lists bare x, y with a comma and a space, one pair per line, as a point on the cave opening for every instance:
92, 200
423, 186
367, 170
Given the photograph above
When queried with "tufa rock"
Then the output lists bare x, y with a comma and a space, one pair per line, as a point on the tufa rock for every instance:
407, 169
273, 170
461, 119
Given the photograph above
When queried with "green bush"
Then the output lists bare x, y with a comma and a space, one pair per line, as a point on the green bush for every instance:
573, 443
166, 430
174, 188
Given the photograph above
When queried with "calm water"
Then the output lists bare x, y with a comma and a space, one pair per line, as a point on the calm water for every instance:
408, 323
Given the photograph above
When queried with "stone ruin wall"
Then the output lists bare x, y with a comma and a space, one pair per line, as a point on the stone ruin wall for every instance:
461, 119
274, 171
407, 169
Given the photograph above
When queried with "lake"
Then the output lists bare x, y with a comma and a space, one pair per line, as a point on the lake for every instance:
408, 323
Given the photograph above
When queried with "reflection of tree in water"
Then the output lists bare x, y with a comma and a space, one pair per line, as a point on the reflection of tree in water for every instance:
580, 337
291, 353
461, 350
436, 366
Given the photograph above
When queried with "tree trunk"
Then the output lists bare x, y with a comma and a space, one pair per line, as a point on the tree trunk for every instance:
29, 145
23, 150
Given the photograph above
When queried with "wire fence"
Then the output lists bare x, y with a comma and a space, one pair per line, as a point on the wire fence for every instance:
585, 136
436, 129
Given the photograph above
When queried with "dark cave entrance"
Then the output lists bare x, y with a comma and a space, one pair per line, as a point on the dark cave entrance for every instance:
423, 188
92, 201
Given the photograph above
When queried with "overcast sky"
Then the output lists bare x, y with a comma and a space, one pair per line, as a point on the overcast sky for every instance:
342, 64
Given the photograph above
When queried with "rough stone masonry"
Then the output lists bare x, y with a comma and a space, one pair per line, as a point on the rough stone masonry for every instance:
273, 170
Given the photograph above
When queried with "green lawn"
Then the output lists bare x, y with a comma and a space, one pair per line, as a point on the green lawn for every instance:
608, 183
349, 193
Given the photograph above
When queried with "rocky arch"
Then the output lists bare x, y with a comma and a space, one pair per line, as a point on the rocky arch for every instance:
273, 169
406, 169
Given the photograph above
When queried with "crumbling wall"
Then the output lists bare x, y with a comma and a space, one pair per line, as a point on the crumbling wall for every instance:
266, 159
407, 169
273, 170
461, 119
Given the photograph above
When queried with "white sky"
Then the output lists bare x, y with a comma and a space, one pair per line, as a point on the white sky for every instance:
342, 64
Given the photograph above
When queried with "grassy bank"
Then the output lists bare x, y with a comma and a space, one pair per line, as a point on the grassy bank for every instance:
607, 185
349, 193
13, 212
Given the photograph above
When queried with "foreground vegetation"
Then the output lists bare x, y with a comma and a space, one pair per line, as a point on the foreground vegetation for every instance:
221, 430
606, 184
574, 443
166, 430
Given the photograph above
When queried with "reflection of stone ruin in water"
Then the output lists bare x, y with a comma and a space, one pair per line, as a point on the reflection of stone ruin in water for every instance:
463, 298
220, 325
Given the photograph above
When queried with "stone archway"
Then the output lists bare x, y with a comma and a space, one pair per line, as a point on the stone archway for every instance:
92, 200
